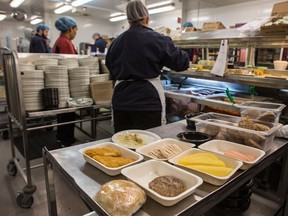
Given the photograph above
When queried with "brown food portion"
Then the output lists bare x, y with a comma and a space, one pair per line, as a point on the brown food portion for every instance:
167, 186
113, 161
248, 123
103, 152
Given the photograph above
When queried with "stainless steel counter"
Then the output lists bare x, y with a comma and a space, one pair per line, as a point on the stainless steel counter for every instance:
87, 180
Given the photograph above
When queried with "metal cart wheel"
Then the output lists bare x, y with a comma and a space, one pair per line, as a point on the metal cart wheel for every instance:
11, 168
24, 201
5, 135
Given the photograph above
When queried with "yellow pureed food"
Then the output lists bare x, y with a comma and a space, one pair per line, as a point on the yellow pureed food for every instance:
131, 139
206, 162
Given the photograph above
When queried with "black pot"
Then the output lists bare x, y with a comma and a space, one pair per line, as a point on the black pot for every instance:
190, 122
194, 137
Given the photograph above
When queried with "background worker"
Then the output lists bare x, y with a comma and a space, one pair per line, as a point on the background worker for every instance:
135, 60
99, 43
68, 28
38, 42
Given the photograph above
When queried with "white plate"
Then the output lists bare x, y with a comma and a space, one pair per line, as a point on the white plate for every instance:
144, 173
144, 150
212, 179
108, 170
221, 146
147, 136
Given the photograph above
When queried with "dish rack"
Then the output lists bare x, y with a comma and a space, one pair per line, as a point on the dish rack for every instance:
24, 122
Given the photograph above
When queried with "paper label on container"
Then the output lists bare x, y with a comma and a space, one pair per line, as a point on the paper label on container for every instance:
221, 61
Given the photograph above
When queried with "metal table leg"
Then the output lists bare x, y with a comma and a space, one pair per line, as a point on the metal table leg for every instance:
50, 187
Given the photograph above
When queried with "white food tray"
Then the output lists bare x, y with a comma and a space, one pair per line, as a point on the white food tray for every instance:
144, 150
221, 146
212, 179
145, 172
127, 153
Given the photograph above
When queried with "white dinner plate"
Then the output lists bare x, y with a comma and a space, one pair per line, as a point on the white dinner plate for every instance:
147, 136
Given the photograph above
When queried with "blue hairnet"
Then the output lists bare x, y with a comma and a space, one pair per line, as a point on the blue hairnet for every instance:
42, 27
65, 23
187, 24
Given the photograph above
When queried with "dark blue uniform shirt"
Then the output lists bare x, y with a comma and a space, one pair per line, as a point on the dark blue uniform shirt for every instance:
38, 45
100, 43
138, 54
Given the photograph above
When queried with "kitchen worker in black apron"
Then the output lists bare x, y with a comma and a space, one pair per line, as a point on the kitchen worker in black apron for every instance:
135, 60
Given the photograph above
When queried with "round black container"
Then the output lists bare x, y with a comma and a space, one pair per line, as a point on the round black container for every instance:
194, 137
50, 98
190, 122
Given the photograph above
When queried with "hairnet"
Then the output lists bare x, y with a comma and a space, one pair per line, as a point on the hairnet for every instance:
136, 10
187, 24
42, 27
65, 23
96, 34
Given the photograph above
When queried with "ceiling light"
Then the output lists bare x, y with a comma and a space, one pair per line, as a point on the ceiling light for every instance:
36, 21
158, 4
80, 2
116, 14
33, 17
16, 3
166, 8
63, 9
117, 18
2, 16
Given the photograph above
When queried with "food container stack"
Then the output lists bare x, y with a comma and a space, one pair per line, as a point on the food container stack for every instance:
26, 67
57, 77
262, 111
41, 63
101, 92
69, 63
79, 82
32, 83
99, 78
230, 128
92, 63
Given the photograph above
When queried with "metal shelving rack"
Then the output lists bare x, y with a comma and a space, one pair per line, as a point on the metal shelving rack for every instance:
17, 117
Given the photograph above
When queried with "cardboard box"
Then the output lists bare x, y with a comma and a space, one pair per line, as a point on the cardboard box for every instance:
101, 92
212, 26
279, 10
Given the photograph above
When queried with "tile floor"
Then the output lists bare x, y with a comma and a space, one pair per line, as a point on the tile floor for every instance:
68, 202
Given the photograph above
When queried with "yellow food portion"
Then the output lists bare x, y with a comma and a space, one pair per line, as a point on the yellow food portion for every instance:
103, 152
113, 161
213, 170
207, 159
132, 139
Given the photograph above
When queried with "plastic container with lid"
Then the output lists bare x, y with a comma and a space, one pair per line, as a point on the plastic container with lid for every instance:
225, 127
262, 111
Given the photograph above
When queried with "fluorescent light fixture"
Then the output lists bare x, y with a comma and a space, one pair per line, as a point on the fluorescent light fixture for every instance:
117, 18
2, 16
158, 4
116, 14
80, 2
36, 21
161, 9
33, 17
63, 9
16, 3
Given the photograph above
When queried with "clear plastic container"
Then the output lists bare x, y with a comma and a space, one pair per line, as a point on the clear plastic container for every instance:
262, 111
225, 127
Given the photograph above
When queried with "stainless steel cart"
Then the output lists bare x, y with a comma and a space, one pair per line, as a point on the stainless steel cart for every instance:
17, 117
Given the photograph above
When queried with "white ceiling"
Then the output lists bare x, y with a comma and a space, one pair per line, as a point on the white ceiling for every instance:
100, 9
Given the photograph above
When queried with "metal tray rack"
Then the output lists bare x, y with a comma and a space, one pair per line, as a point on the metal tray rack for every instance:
18, 118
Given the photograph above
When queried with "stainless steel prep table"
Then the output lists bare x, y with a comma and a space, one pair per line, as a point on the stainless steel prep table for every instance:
87, 180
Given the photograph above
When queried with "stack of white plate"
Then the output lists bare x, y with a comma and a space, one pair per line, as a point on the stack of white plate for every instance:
92, 63
26, 67
41, 63
32, 83
69, 63
99, 78
57, 77
79, 82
